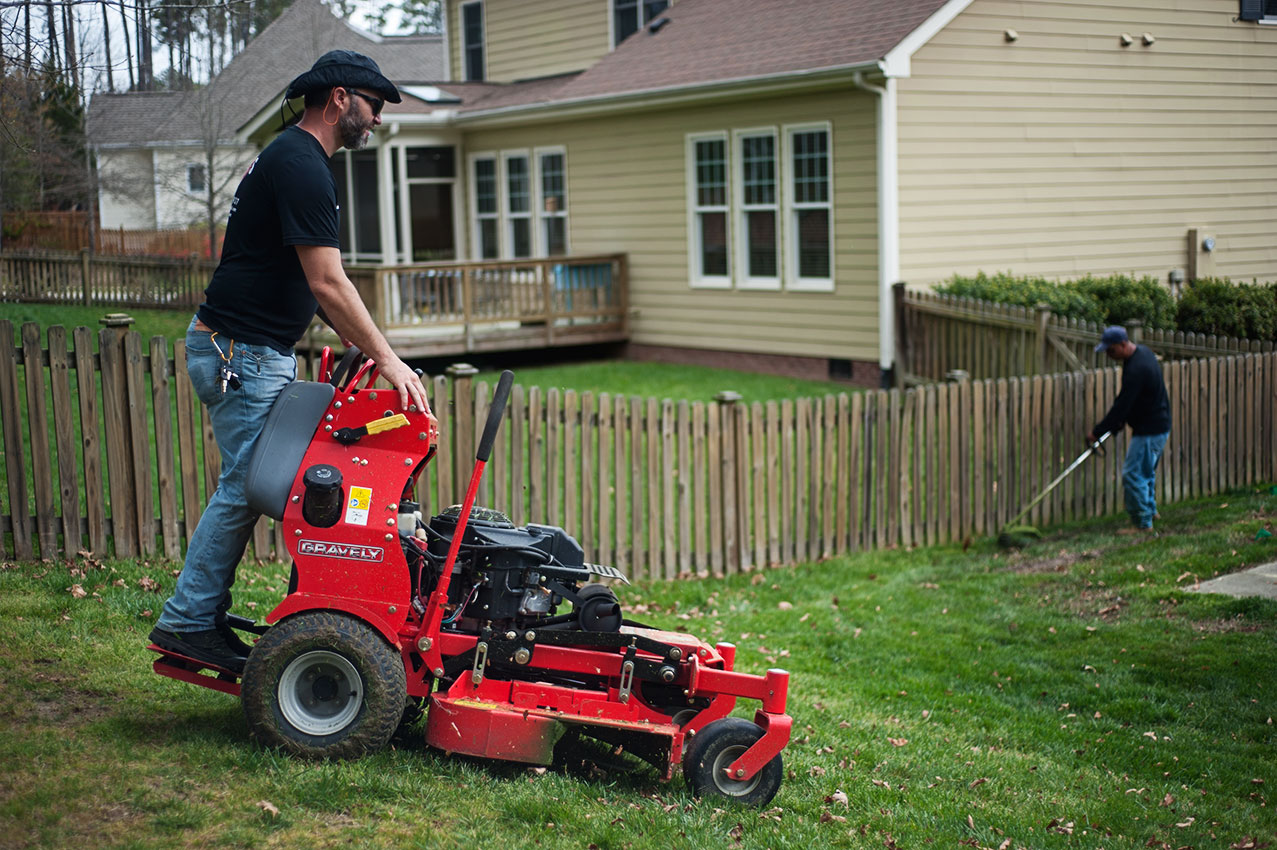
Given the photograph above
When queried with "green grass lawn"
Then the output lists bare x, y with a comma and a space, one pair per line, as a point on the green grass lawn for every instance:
166, 323
1071, 695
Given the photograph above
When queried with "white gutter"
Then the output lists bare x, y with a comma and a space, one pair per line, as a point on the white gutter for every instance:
888, 216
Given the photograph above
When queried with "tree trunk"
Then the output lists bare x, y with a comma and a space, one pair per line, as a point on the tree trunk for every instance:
26, 55
68, 31
54, 64
106, 38
128, 46
145, 67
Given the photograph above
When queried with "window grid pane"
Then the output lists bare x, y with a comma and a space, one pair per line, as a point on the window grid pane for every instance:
553, 194
485, 186
762, 243
713, 249
625, 19
711, 173
758, 167
813, 243
517, 184
811, 167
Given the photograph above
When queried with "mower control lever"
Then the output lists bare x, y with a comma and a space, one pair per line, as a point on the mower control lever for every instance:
499, 399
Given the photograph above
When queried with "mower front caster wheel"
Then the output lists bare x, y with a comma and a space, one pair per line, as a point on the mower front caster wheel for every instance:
323, 685
706, 758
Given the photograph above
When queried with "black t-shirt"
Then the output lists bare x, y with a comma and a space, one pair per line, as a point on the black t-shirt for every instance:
1142, 401
287, 197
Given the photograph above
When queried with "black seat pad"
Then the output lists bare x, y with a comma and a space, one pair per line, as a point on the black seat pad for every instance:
282, 445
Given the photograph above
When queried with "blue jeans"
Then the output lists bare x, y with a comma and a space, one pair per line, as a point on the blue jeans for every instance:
1139, 477
217, 545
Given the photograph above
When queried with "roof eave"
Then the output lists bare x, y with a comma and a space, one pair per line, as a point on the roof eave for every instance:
667, 96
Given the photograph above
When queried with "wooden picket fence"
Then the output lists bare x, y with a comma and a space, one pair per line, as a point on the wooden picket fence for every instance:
940, 334
94, 279
659, 488
69, 232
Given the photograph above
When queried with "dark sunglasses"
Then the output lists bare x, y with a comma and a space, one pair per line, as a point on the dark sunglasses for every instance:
375, 102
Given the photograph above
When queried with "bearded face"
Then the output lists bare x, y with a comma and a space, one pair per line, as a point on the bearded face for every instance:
354, 128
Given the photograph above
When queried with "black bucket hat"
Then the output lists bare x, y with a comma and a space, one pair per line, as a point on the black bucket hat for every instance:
344, 68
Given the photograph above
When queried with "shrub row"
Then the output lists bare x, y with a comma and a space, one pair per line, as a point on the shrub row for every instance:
1209, 305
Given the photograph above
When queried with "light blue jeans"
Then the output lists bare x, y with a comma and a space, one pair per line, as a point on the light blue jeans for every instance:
216, 547
1139, 477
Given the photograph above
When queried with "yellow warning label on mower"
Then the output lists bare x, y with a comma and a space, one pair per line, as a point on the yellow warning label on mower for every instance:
357, 505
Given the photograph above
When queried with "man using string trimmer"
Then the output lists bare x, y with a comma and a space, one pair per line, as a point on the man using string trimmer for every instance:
1143, 405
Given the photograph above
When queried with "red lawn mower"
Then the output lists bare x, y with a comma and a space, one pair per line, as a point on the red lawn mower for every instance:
463, 613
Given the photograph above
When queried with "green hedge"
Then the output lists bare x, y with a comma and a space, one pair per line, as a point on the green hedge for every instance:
1210, 305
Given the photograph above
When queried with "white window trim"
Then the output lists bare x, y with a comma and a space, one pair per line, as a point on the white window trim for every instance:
740, 231
695, 279
476, 241
461, 24
508, 216
538, 201
197, 193
789, 236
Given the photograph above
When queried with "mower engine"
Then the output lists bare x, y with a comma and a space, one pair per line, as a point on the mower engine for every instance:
519, 577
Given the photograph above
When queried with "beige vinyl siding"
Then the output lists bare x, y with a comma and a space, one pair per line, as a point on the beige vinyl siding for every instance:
627, 192
524, 40
1063, 153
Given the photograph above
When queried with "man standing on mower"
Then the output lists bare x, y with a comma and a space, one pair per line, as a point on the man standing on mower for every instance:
1142, 404
281, 262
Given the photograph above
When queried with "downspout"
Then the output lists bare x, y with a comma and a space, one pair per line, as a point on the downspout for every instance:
888, 220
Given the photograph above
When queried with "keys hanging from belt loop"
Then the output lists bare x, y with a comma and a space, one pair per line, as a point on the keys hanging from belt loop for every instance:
226, 375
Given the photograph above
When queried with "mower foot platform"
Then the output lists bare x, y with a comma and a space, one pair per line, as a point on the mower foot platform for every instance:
194, 671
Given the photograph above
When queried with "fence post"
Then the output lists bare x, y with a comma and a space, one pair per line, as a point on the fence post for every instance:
85, 287
1044, 353
730, 408
904, 364
461, 376
1135, 330
119, 443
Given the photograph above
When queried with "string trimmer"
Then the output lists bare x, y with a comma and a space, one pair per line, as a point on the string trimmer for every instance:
1015, 536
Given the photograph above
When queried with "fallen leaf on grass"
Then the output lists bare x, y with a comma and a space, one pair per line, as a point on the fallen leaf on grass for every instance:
149, 584
1168, 800
880, 783
785, 606
898, 742
268, 807
826, 817
975, 783
839, 797
77, 591
1186, 824
1005, 844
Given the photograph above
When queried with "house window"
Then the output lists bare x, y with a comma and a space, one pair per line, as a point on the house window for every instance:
472, 39
771, 224
707, 158
629, 16
487, 238
809, 208
195, 182
355, 173
553, 204
1262, 11
431, 173
518, 206
758, 222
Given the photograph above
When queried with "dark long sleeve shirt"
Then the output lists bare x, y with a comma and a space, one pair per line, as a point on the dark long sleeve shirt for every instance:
1142, 402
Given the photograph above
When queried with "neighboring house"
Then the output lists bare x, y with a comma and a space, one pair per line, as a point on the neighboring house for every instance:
772, 167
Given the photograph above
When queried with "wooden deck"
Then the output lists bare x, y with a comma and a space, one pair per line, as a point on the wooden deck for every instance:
438, 309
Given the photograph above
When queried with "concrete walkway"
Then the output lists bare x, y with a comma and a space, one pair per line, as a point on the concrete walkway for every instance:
1257, 581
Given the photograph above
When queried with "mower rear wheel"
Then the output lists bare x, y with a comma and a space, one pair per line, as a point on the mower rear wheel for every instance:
323, 685
706, 758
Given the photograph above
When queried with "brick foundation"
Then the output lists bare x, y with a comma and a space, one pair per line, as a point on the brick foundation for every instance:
863, 373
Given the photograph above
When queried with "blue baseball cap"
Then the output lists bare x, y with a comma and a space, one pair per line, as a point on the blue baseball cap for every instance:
1112, 336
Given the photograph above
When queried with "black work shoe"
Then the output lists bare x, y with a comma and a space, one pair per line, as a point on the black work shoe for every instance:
232, 639
206, 645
